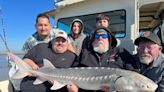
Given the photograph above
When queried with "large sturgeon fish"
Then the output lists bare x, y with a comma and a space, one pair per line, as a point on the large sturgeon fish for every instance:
91, 78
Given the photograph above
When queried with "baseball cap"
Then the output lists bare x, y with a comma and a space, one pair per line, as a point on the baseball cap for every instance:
61, 33
151, 37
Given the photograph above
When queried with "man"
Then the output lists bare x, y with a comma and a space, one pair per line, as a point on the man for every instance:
104, 53
43, 35
56, 52
102, 20
44, 32
150, 60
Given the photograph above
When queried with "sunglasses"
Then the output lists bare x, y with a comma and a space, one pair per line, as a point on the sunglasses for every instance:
97, 36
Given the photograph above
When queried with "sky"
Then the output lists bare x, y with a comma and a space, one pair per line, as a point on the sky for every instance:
19, 20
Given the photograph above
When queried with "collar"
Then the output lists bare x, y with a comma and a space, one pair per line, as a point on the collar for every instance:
158, 61
37, 37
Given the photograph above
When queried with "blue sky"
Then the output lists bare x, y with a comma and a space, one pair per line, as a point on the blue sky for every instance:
19, 20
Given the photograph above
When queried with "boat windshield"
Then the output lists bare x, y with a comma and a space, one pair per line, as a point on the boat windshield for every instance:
117, 21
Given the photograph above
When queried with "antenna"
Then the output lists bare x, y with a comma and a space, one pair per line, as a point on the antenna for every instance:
3, 36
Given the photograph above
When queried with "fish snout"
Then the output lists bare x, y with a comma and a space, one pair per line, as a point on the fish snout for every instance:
127, 84
149, 86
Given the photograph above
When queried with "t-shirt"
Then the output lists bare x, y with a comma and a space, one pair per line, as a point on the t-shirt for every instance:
43, 50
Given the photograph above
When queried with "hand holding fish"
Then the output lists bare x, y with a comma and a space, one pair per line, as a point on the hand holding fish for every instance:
105, 88
72, 87
33, 66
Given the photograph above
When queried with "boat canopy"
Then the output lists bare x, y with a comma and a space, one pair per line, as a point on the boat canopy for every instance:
64, 3
128, 18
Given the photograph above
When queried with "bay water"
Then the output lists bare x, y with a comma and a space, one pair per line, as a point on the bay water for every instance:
4, 67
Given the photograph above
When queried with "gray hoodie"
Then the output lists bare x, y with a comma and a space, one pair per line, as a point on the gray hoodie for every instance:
77, 40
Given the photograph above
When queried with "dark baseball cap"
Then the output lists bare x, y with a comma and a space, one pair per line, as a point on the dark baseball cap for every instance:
151, 37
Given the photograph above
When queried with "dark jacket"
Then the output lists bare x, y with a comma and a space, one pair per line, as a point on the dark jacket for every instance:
154, 71
115, 57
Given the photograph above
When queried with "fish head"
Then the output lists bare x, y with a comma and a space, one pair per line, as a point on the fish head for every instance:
127, 84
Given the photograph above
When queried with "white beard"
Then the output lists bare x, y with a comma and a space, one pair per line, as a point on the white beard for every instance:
99, 49
145, 61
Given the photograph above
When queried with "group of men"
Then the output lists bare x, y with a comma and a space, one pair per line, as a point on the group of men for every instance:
102, 51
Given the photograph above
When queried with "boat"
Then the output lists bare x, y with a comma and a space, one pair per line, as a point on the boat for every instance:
128, 19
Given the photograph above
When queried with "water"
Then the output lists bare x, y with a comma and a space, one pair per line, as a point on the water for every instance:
4, 67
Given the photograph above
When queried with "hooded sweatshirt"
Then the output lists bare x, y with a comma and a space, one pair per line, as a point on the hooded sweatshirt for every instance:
115, 57
77, 40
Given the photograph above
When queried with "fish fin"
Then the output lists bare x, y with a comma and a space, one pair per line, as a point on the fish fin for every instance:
57, 85
19, 62
39, 80
19, 75
48, 64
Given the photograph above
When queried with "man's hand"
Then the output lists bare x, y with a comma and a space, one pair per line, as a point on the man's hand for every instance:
51, 82
72, 88
105, 88
33, 66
